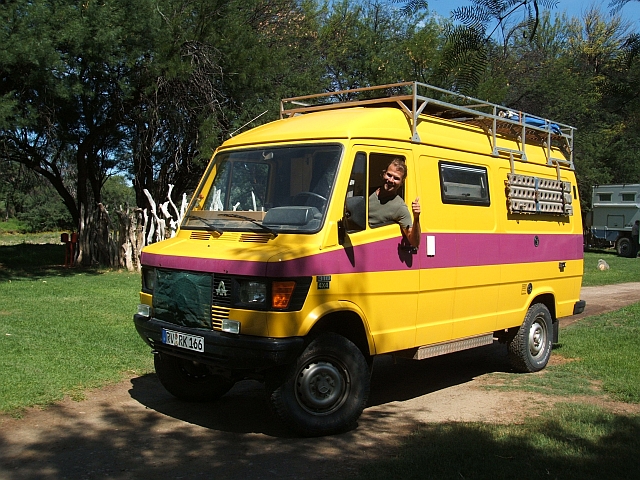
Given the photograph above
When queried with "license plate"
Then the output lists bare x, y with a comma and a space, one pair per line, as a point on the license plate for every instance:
183, 340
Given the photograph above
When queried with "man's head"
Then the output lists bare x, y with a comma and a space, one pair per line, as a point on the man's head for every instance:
393, 177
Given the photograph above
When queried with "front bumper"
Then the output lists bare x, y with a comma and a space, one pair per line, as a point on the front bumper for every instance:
224, 350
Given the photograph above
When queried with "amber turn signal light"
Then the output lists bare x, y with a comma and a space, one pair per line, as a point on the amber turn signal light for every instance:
281, 294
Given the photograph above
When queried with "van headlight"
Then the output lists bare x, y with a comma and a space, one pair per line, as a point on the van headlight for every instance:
252, 293
148, 279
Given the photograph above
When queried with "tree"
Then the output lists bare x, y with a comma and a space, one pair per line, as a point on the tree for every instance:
148, 88
67, 71
576, 71
217, 67
471, 36
370, 43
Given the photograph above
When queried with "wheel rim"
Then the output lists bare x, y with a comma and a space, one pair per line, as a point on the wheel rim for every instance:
537, 338
322, 387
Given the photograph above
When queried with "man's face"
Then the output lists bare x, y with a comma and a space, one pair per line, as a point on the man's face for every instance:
392, 180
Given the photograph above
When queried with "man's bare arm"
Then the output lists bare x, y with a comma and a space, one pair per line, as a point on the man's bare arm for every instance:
413, 232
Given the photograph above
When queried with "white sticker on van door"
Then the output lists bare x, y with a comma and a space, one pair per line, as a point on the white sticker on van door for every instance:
431, 246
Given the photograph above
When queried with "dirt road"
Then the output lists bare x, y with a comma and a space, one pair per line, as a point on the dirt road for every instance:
136, 430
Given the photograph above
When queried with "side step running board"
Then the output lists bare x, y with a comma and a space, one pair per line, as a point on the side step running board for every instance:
443, 348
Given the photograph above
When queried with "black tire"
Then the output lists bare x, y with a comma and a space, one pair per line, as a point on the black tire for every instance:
530, 348
189, 380
624, 247
326, 389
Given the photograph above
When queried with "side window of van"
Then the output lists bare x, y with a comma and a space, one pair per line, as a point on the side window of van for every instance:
366, 177
463, 184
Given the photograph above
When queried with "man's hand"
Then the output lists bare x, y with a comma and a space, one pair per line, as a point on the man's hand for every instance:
415, 207
413, 233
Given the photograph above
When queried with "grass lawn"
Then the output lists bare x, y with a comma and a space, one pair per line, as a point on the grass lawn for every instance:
63, 330
621, 270
575, 440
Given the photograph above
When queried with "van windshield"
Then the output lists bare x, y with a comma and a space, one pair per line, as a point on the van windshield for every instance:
282, 189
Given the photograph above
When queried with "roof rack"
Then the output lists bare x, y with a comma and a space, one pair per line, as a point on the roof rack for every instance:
416, 99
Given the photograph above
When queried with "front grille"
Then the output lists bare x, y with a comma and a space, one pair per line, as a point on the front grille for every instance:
221, 296
218, 314
204, 300
222, 292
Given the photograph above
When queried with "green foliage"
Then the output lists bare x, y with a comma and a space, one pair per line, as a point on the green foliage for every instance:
117, 193
32, 200
151, 88
368, 43
44, 214
12, 226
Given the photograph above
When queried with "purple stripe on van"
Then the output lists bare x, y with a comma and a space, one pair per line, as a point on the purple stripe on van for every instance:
196, 264
452, 250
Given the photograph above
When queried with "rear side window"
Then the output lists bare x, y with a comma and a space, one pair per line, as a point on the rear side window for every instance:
628, 197
604, 197
464, 184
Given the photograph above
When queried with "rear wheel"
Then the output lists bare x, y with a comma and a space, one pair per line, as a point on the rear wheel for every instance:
188, 380
530, 348
325, 391
624, 247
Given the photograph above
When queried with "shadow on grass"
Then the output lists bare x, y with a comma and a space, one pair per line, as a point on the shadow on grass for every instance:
34, 261
569, 445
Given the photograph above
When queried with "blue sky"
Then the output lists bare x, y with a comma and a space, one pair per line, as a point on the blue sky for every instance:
573, 8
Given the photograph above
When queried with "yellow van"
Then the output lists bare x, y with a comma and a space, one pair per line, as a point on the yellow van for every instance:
276, 273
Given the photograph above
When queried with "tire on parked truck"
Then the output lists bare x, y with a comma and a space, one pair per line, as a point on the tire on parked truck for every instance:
530, 348
325, 391
624, 247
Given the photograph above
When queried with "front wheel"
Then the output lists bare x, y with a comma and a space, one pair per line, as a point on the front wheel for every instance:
530, 348
189, 380
325, 391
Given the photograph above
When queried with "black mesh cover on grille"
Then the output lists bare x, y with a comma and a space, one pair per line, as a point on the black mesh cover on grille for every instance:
183, 298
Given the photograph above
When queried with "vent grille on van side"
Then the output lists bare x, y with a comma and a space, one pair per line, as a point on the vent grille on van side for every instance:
255, 237
233, 237
200, 236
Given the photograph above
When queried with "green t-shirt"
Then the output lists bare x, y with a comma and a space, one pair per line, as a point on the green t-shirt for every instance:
388, 211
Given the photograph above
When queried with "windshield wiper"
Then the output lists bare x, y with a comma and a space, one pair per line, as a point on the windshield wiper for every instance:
208, 224
249, 219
